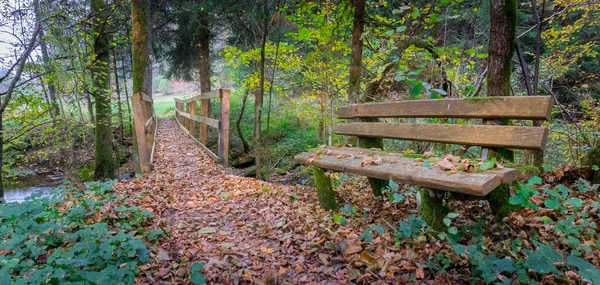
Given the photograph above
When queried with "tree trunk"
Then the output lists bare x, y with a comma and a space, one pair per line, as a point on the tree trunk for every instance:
503, 24
239, 122
104, 159
258, 102
119, 107
46, 59
142, 80
126, 95
204, 70
357, 45
503, 16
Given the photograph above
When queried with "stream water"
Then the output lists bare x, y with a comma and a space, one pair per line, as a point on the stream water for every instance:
29, 186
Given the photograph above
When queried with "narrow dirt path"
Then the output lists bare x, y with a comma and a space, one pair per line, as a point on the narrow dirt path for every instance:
243, 229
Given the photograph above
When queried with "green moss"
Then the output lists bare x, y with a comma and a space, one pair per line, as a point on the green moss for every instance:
498, 200
433, 210
413, 155
377, 185
325, 192
522, 168
593, 158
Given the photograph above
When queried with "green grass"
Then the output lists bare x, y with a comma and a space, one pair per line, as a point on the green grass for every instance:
164, 106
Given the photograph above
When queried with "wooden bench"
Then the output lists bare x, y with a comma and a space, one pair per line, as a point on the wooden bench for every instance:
376, 164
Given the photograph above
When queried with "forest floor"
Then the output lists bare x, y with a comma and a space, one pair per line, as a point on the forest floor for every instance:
250, 231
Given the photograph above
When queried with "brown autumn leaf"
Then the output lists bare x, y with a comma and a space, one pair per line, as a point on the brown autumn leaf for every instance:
376, 160
310, 159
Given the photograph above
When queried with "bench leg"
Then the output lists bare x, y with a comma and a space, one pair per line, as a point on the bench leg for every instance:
325, 192
377, 185
432, 209
498, 200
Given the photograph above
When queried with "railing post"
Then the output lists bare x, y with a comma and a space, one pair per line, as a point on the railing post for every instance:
193, 110
139, 119
204, 103
224, 128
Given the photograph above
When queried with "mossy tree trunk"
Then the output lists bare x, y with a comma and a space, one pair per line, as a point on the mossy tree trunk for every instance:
325, 192
105, 165
503, 24
593, 159
142, 80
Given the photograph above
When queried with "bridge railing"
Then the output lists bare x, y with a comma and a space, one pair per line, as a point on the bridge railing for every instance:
187, 118
146, 134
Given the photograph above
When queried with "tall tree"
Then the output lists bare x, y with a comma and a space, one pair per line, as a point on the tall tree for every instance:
54, 111
118, 91
357, 48
142, 78
5, 96
501, 49
105, 166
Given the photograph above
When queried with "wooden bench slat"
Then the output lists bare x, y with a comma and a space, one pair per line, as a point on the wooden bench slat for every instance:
507, 175
480, 135
514, 107
477, 184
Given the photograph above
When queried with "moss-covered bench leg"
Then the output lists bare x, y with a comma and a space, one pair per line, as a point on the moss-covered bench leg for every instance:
325, 192
377, 185
498, 200
432, 209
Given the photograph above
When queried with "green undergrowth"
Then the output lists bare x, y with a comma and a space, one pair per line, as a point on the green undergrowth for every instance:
76, 236
556, 243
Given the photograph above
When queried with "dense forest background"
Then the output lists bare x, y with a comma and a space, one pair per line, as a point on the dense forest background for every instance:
68, 71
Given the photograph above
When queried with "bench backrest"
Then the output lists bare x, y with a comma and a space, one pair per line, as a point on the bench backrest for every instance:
487, 135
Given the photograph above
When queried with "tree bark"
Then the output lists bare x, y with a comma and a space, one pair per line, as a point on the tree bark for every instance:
239, 122
119, 107
126, 95
46, 59
503, 24
258, 101
142, 80
503, 16
357, 46
204, 70
104, 159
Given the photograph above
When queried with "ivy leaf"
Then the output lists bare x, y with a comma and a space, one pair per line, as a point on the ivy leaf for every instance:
542, 260
552, 203
585, 269
416, 90
377, 228
517, 199
398, 197
535, 180
575, 202
393, 185
488, 164
339, 219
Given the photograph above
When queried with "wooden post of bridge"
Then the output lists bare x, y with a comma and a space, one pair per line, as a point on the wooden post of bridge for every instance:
193, 110
224, 128
204, 113
140, 118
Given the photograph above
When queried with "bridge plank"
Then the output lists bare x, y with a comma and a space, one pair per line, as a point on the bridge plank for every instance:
513, 107
477, 184
480, 135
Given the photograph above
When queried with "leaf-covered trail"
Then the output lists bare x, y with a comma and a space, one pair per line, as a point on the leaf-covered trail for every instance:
243, 229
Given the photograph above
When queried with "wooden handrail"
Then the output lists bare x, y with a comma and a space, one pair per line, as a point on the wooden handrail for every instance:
204, 120
222, 125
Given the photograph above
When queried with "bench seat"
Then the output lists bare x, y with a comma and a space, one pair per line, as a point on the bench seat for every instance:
394, 166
